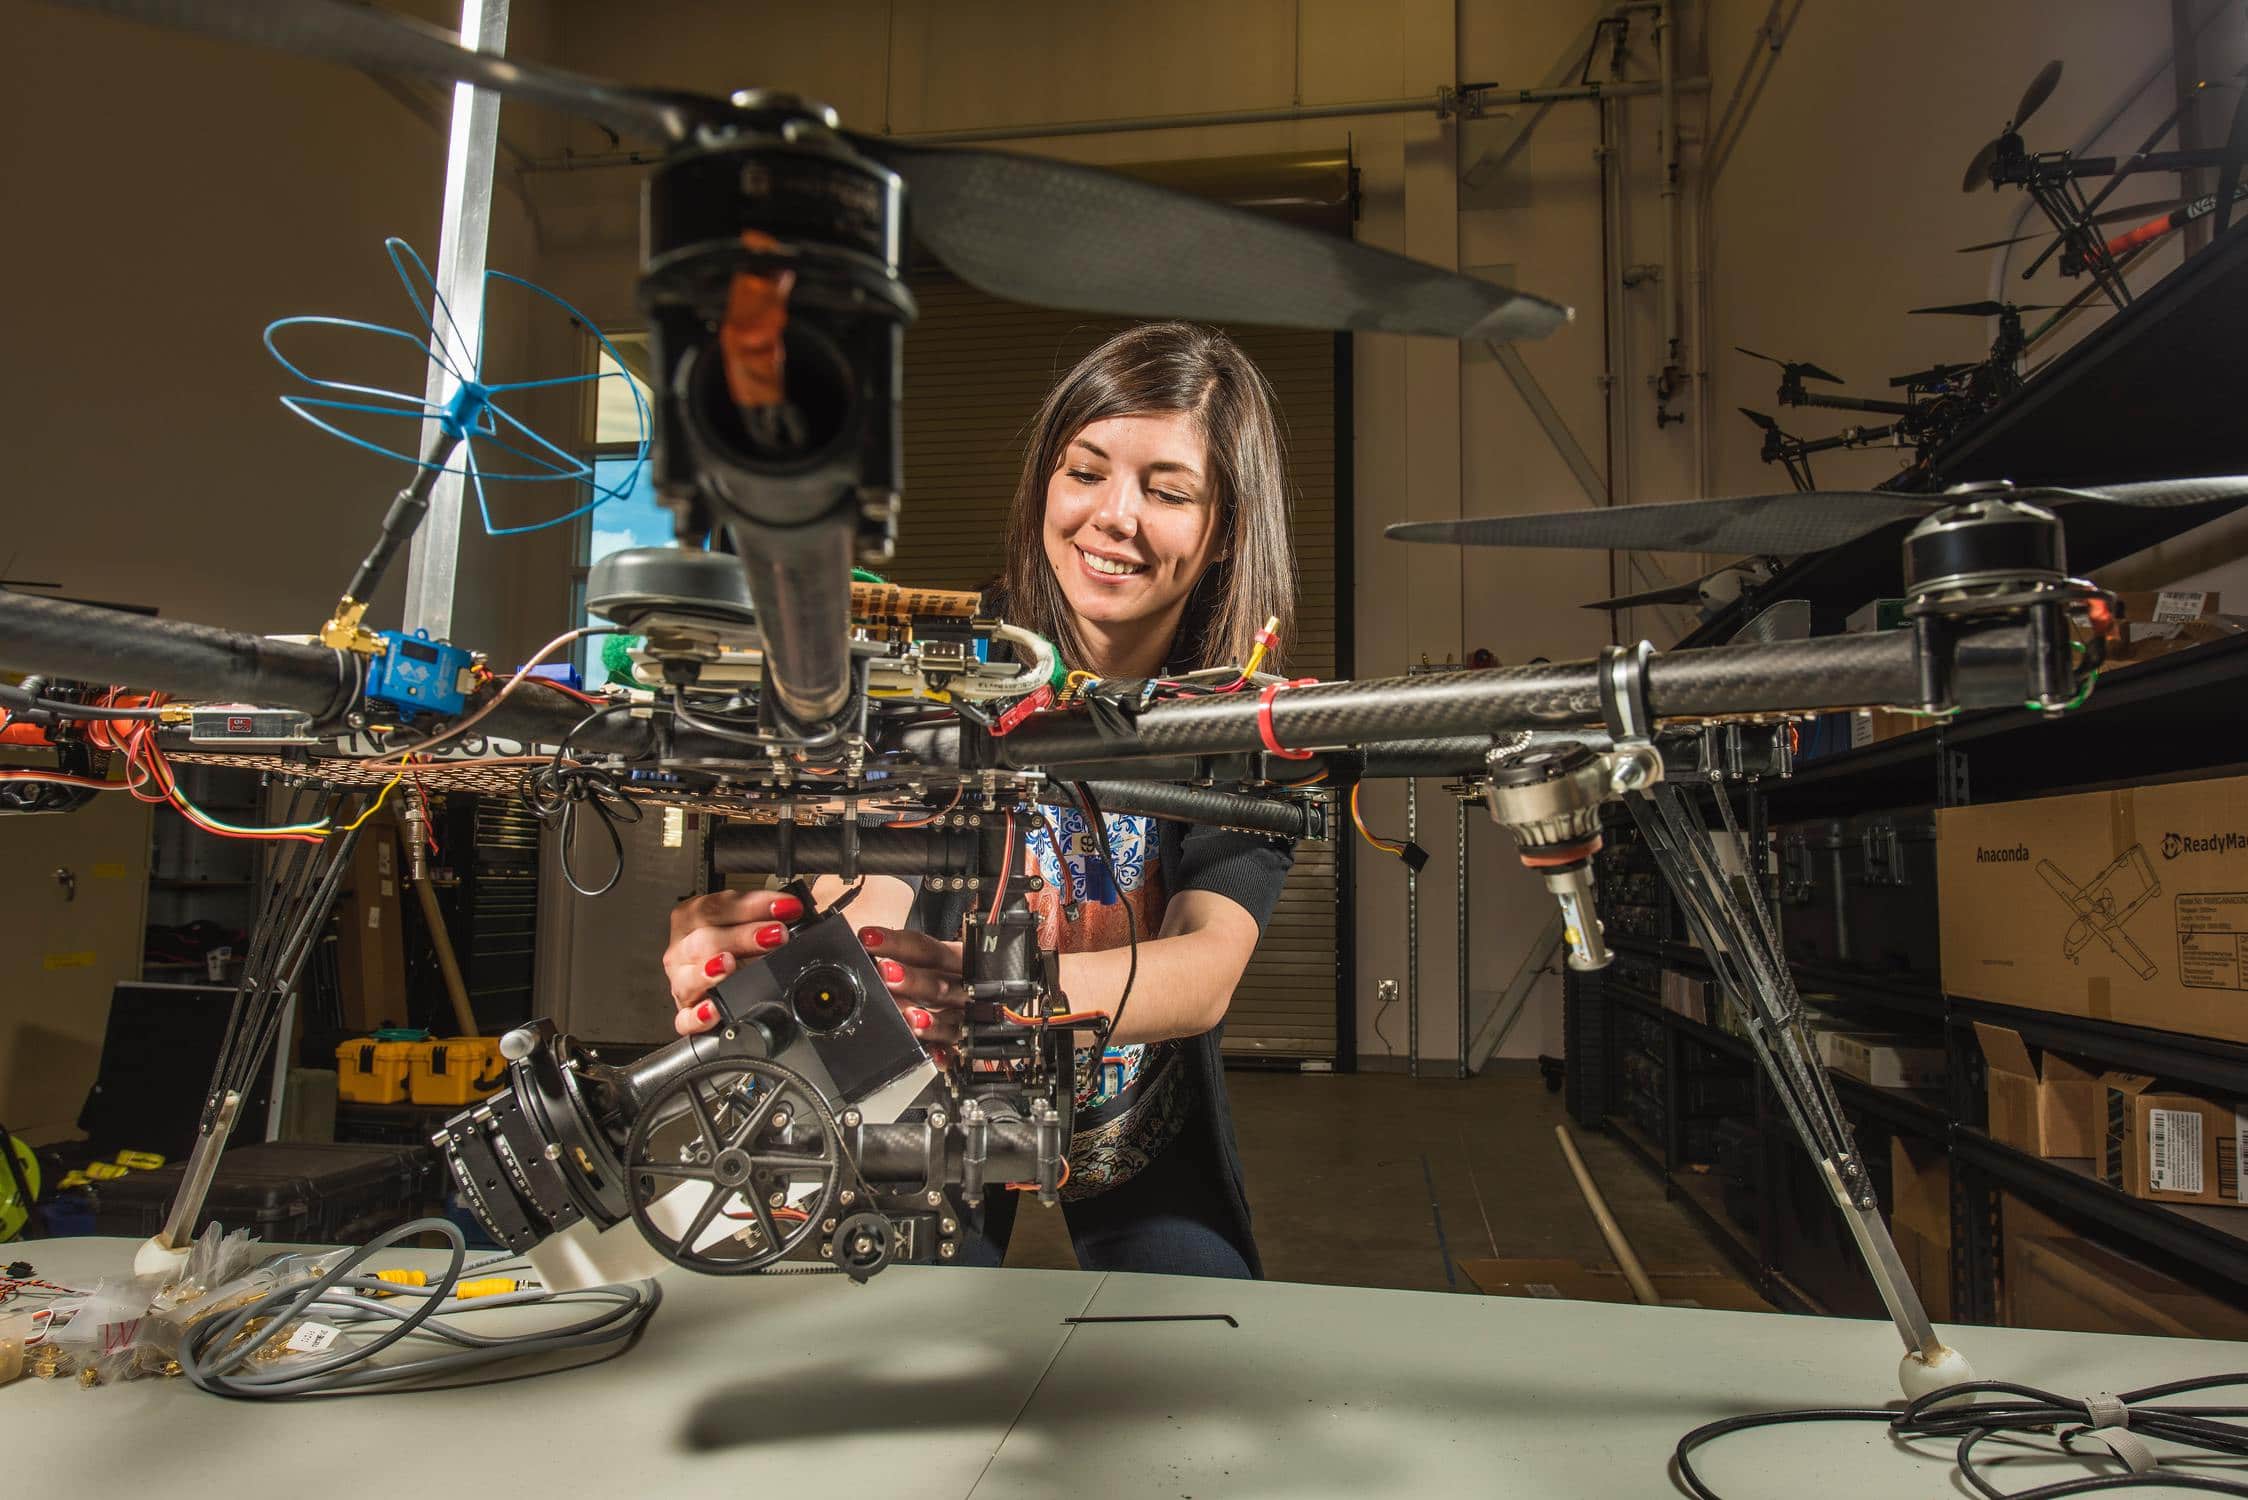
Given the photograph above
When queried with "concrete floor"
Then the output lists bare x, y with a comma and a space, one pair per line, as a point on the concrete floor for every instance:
1374, 1179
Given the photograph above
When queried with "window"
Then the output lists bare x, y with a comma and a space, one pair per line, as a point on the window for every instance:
634, 518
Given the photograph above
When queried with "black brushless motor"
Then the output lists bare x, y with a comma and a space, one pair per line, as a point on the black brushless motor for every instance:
1990, 572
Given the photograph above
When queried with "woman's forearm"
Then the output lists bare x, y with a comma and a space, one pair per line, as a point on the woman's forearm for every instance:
1185, 978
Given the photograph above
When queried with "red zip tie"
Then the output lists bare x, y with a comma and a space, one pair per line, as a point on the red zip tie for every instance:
1264, 721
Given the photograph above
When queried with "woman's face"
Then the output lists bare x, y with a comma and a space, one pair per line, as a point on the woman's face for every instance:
1130, 521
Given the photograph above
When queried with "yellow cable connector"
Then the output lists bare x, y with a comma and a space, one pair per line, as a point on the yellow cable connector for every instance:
140, 1161
486, 1286
403, 1278
343, 632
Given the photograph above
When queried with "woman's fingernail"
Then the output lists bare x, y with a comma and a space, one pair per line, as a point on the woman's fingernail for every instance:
893, 972
787, 908
871, 936
719, 963
771, 935
917, 1017
706, 1012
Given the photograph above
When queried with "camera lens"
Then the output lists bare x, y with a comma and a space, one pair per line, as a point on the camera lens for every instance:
825, 997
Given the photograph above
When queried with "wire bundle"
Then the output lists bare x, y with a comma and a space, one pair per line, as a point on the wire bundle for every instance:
217, 1358
2075, 1423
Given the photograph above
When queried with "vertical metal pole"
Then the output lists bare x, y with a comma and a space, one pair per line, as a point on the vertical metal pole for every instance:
282, 1056
464, 229
1412, 938
1459, 844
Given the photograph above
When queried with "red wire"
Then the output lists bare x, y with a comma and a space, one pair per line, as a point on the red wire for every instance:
940, 812
563, 687
1006, 867
57, 776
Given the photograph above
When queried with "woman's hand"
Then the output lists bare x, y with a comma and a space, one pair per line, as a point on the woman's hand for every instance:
923, 974
710, 936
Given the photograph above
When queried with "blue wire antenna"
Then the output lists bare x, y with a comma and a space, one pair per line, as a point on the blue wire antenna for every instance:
471, 415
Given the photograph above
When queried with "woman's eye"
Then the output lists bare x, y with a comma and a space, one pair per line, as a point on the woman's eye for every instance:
1083, 476
1170, 499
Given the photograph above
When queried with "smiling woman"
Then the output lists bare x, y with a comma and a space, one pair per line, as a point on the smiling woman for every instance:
1150, 518
1148, 534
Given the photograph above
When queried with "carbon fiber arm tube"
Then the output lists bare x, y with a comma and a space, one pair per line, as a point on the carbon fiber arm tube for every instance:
898, 1152
1828, 673
56, 638
755, 849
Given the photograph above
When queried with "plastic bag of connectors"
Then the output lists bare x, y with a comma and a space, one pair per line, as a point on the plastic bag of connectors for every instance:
92, 1338
190, 1307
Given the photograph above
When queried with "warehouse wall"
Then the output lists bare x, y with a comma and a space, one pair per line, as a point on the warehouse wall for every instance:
1840, 197
171, 197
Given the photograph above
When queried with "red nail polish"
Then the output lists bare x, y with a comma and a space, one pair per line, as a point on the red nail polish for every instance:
917, 1017
871, 936
787, 908
771, 935
893, 972
716, 966
706, 1012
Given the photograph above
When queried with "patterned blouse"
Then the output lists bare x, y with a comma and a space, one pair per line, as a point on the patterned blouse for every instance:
1134, 1102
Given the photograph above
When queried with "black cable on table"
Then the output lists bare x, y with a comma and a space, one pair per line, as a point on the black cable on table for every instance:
1942, 1413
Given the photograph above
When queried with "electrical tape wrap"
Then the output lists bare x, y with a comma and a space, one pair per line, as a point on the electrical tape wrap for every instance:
1187, 804
57, 638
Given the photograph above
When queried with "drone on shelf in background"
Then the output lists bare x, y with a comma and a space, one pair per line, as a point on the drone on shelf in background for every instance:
2054, 181
1938, 403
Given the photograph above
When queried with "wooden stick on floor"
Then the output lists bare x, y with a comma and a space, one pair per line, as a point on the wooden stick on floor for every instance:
1627, 1259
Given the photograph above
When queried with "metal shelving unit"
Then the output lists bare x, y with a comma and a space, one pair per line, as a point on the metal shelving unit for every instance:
2156, 719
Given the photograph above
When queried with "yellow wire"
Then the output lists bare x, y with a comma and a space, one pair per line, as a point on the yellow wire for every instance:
932, 695
1070, 683
380, 797
1360, 824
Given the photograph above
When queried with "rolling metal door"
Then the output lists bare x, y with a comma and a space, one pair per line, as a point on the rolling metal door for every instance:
976, 369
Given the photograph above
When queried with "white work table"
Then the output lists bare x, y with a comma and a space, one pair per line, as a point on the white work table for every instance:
956, 1382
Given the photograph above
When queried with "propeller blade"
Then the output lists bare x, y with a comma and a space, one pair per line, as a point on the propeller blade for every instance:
1988, 308
1978, 170
1765, 525
1785, 525
1062, 235
2040, 89
1677, 593
384, 42
1787, 620
1803, 368
1761, 419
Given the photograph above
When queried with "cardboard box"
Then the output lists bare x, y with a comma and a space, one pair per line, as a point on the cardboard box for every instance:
1565, 1280
370, 949
2056, 1110
2127, 905
1884, 1060
2171, 1148
1920, 1219
2051, 1278
1690, 996
1870, 726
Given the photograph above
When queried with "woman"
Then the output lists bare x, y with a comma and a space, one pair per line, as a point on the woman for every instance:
1148, 535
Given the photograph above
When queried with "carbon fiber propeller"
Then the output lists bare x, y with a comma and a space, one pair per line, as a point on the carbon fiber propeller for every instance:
2033, 99
1024, 228
1787, 525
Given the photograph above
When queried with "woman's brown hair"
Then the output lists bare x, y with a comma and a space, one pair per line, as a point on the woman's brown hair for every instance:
1153, 369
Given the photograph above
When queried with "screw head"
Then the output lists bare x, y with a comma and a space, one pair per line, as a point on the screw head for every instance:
827, 1226
780, 1119
945, 1252
828, 1251
947, 1225
935, 1197
777, 1199
553, 1151
850, 1117
847, 1198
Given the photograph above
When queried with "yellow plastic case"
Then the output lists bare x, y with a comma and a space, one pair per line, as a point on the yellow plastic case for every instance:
455, 1070
372, 1072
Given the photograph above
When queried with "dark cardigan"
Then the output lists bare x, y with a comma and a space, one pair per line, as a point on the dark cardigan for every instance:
1249, 870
